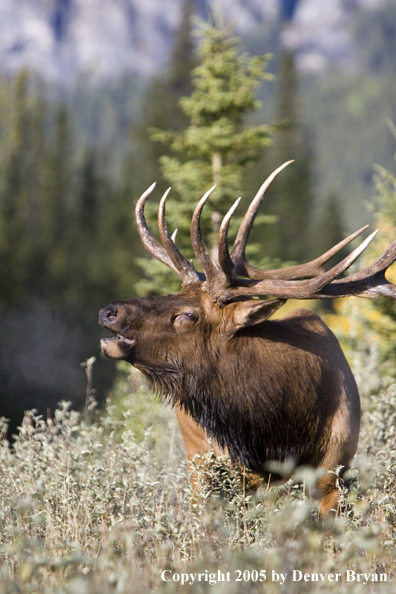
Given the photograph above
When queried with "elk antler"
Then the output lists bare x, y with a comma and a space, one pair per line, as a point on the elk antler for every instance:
223, 282
168, 253
215, 277
370, 282
309, 270
185, 269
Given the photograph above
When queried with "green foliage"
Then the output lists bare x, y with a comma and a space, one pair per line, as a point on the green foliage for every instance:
69, 485
224, 93
385, 188
55, 206
21, 125
346, 115
144, 414
372, 322
329, 229
65, 247
161, 107
217, 145
291, 199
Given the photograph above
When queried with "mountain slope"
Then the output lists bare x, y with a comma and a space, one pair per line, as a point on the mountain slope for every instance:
62, 38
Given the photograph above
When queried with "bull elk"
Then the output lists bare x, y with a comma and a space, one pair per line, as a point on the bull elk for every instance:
241, 384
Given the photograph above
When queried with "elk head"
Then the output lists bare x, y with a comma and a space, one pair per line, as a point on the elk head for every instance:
218, 301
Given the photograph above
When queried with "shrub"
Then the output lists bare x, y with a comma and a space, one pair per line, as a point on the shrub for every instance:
88, 508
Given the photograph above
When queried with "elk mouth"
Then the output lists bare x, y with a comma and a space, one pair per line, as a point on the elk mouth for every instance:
117, 347
119, 337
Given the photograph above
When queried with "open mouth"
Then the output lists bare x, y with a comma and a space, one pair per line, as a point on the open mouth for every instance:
119, 346
119, 339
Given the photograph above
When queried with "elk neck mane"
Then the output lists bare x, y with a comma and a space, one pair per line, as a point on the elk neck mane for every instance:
243, 412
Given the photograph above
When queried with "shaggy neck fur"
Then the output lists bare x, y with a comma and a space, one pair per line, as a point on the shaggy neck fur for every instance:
259, 417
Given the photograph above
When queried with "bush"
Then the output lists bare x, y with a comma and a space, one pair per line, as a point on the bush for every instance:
89, 508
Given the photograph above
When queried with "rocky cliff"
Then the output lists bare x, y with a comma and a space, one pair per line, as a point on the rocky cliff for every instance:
62, 38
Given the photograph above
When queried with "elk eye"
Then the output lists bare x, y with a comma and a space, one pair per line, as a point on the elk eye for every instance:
185, 318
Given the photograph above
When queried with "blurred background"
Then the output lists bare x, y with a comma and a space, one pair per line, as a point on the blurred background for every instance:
81, 84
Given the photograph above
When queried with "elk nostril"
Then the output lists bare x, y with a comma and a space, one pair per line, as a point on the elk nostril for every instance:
109, 314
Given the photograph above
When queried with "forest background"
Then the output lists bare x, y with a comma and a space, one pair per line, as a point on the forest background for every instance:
100, 501
75, 159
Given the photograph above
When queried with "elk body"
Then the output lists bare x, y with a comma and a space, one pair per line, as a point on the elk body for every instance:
253, 388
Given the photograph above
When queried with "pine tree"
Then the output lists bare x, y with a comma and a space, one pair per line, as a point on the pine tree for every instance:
59, 171
385, 202
58, 266
161, 109
329, 230
291, 199
372, 322
217, 146
22, 127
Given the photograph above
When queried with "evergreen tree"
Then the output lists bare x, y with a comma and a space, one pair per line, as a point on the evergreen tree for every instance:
62, 248
22, 132
329, 229
216, 147
161, 109
372, 322
59, 171
291, 198
385, 325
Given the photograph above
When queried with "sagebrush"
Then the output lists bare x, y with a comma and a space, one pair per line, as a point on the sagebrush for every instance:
86, 507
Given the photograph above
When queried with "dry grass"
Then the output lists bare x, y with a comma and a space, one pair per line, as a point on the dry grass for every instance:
87, 507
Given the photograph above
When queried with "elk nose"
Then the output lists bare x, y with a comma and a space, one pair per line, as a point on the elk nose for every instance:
108, 315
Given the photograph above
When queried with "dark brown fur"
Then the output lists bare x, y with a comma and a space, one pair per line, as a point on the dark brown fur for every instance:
262, 389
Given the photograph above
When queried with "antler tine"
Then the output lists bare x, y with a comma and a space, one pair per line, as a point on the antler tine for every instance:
315, 267
226, 264
318, 283
299, 271
309, 289
213, 274
315, 288
185, 269
151, 244
223, 284
238, 252
370, 282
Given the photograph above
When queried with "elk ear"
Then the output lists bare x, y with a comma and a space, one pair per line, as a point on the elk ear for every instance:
249, 313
